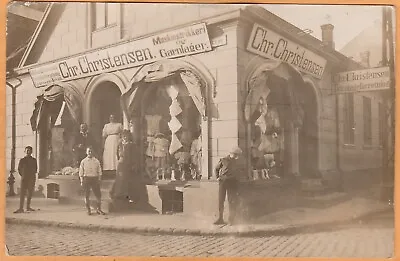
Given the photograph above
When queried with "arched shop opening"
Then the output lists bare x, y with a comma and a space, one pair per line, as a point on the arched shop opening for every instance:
104, 101
55, 119
274, 111
167, 109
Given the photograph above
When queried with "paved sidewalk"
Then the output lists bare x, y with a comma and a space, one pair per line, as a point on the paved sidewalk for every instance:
51, 213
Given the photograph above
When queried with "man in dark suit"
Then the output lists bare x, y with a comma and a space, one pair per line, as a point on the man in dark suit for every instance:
82, 141
226, 173
27, 169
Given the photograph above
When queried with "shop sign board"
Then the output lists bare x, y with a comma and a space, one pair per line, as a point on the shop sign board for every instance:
362, 80
268, 44
181, 42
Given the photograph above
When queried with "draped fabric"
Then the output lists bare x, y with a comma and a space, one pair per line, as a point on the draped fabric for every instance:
257, 85
292, 90
194, 87
50, 103
156, 72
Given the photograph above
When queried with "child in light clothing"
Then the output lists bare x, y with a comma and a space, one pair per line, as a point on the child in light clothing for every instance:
90, 177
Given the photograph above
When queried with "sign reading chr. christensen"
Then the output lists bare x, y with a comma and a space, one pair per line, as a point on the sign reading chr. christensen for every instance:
269, 44
181, 42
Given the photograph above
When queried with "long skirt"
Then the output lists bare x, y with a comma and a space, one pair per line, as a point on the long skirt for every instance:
110, 152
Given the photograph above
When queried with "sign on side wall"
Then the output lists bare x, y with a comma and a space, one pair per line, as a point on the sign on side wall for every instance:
269, 44
362, 80
177, 43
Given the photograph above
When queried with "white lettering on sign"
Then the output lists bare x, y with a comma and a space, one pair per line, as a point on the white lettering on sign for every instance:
269, 44
181, 42
362, 80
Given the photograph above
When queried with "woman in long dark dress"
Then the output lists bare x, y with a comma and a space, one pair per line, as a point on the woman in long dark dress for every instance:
122, 188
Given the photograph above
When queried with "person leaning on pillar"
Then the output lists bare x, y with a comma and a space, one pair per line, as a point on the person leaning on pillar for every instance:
226, 173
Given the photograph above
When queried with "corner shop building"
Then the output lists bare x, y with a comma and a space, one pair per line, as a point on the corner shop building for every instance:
221, 59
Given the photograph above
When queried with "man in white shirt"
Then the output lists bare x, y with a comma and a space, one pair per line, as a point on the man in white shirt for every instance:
90, 177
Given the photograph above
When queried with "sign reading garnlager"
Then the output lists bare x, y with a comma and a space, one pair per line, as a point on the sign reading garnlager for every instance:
269, 44
362, 80
181, 42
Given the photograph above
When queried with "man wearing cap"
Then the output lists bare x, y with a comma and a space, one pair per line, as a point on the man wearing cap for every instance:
225, 172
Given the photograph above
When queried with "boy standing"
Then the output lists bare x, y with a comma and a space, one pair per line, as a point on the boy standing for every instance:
228, 183
27, 169
90, 177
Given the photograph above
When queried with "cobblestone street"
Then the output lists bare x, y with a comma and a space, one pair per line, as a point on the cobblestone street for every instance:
372, 238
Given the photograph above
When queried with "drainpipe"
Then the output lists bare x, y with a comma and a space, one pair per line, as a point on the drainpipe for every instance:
11, 178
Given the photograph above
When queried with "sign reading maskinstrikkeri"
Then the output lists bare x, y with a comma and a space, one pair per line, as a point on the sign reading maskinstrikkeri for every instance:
190, 40
362, 80
269, 44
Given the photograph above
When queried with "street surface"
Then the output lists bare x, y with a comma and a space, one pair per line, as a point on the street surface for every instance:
371, 238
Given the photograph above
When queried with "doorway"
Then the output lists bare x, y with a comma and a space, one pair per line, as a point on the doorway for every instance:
105, 101
308, 134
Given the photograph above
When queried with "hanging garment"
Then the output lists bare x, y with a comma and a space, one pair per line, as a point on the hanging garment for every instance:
153, 124
196, 154
175, 109
272, 120
172, 92
261, 123
268, 158
269, 144
175, 144
174, 125
182, 157
258, 88
160, 147
150, 146
161, 163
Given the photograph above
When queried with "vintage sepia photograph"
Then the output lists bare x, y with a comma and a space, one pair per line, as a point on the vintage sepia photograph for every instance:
199, 130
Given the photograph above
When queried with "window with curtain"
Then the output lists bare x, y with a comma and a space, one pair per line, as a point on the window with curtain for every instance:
349, 124
367, 117
104, 14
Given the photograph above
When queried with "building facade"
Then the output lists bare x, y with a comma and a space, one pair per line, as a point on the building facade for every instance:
214, 76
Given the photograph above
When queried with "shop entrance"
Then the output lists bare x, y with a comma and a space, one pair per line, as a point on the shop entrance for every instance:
308, 134
105, 101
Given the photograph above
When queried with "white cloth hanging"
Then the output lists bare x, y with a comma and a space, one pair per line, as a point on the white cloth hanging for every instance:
175, 108
174, 125
175, 144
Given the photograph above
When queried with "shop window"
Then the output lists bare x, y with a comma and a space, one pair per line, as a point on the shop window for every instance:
382, 118
267, 135
349, 124
170, 123
367, 118
104, 15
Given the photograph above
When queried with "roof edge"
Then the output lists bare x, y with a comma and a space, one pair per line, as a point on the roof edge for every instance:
35, 35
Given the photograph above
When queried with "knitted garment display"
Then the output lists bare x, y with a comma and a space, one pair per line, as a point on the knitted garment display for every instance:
174, 124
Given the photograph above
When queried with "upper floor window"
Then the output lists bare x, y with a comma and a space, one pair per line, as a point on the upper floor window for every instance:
367, 115
349, 124
104, 14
